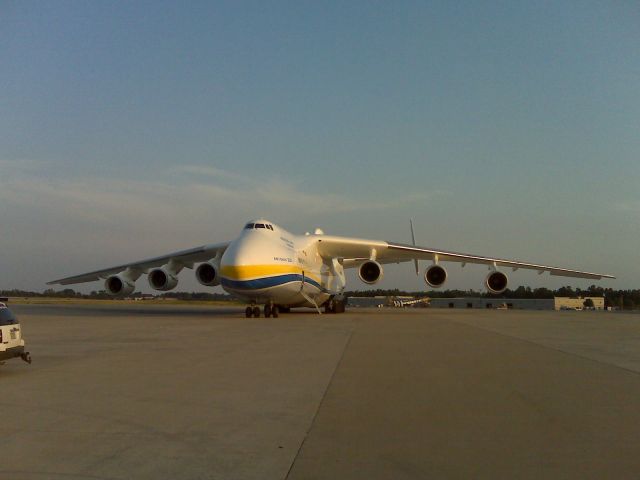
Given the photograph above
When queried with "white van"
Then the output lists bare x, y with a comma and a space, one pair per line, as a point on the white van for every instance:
11, 342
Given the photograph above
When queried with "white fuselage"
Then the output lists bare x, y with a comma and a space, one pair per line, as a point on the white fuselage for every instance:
269, 264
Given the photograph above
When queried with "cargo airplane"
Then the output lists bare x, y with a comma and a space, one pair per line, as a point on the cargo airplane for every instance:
267, 265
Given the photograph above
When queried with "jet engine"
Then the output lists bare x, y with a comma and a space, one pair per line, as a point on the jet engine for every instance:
208, 274
119, 285
370, 272
162, 279
496, 282
435, 276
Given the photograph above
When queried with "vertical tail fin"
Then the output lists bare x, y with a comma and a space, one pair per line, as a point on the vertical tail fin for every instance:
413, 239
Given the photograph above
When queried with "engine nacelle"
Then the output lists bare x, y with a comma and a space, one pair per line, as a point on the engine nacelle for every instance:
208, 274
435, 276
117, 285
162, 279
370, 272
496, 282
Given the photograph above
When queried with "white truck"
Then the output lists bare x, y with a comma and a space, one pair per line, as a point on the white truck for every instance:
11, 342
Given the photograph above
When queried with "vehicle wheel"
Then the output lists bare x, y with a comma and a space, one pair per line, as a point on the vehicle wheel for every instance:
267, 311
256, 312
248, 312
274, 311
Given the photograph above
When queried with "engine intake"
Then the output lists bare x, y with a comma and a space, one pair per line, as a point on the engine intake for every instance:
161, 279
370, 272
496, 282
207, 274
119, 285
435, 276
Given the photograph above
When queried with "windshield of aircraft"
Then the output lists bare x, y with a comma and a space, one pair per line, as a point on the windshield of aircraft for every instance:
6, 317
250, 226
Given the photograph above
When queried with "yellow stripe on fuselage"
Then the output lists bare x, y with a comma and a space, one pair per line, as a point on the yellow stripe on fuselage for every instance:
247, 272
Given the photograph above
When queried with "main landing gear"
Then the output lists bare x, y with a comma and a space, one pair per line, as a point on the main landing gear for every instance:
335, 305
270, 310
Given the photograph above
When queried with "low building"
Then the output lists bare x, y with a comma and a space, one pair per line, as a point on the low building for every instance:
479, 302
144, 296
572, 303
366, 301
557, 303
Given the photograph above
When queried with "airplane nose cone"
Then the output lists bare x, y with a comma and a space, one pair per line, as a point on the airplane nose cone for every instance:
241, 252
240, 255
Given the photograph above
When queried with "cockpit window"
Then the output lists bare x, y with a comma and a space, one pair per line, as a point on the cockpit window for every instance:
250, 226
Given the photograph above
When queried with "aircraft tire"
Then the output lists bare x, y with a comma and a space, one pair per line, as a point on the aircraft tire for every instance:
256, 312
330, 307
248, 312
274, 311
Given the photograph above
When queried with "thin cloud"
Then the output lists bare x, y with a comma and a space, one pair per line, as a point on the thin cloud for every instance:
275, 192
632, 206
19, 165
26, 185
115, 215
60, 225
208, 171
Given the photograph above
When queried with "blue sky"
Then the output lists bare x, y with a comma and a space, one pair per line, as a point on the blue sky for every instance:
131, 129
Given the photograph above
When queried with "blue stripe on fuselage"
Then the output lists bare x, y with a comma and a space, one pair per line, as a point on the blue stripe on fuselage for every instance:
267, 282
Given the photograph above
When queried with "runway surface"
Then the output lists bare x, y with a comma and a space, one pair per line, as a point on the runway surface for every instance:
150, 392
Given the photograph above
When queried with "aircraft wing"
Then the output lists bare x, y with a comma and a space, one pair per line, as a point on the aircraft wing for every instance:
185, 258
354, 251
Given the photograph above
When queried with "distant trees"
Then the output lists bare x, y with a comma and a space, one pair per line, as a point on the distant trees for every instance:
624, 299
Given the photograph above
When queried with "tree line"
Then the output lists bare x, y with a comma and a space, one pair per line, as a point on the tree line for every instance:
625, 299
103, 295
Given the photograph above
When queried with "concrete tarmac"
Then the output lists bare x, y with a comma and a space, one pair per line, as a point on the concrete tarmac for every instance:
146, 392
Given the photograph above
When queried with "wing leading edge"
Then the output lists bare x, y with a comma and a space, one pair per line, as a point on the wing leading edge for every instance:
422, 253
185, 258
354, 251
